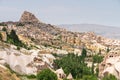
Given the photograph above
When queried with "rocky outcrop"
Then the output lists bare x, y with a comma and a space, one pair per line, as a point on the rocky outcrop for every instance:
3, 35
111, 64
70, 77
5, 74
60, 73
24, 61
28, 17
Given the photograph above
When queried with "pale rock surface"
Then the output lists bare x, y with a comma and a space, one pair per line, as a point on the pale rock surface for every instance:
23, 63
4, 35
17, 61
110, 64
60, 73
70, 77
28, 17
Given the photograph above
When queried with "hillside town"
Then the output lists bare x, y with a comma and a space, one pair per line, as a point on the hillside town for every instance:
41, 44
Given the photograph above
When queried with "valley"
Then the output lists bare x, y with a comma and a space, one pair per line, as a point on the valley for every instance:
31, 49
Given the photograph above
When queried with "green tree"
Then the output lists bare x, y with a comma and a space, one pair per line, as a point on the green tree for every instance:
97, 59
108, 49
46, 74
0, 36
84, 53
14, 36
4, 29
97, 71
92, 68
73, 64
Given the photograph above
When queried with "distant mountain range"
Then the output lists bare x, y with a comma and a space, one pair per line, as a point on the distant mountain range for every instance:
106, 31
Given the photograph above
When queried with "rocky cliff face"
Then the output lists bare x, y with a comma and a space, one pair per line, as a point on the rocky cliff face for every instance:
28, 17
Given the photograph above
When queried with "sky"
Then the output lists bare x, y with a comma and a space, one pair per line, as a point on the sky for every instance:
104, 12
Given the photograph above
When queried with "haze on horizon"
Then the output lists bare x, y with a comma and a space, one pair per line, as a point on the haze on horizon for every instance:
104, 12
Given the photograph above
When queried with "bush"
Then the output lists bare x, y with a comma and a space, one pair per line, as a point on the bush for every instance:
0, 36
46, 74
87, 77
84, 53
12, 38
97, 59
31, 76
109, 77
18, 48
4, 29
32, 39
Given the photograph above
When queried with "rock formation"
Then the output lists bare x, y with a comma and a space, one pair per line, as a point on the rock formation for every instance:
45, 39
111, 64
5, 74
28, 17
3, 35
60, 73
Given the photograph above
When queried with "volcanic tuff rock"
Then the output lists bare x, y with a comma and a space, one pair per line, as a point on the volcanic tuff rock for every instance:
46, 39
111, 64
50, 35
5, 74
28, 17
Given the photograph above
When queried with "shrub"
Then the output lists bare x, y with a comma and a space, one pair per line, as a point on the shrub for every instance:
97, 59
32, 39
84, 53
87, 77
18, 48
0, 36
109, 77
4, 29
31, 76
12, 38
46, 74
